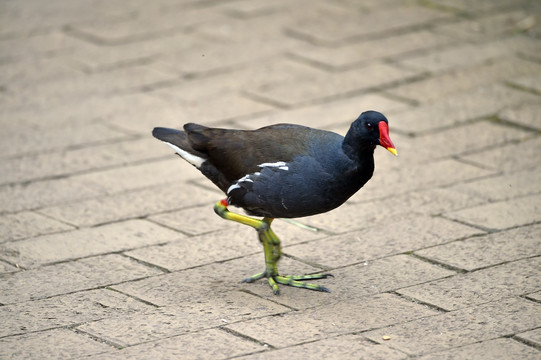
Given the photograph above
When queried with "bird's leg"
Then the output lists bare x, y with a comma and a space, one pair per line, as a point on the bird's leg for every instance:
272, 250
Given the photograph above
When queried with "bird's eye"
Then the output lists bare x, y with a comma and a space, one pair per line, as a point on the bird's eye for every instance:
369, 126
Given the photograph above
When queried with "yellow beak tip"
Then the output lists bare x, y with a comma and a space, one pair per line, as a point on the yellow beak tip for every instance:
392, 151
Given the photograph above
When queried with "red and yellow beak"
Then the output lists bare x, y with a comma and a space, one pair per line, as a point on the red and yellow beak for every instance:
384, 139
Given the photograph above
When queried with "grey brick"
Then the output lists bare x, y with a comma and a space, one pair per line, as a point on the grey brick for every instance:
213, 343
66, 310
491, 284
493, 249
351, 55
356, 281
66, 162
340, 347
213, 281
21, 197
497, 349
132, 204
532, 337
27, 224
386, 239
465, 54
439, 87
58, 343
527, 115
170, 321
460, 328
486, 27
75, 244
509, 158
339, 318
503, 214
532, 83
298, 92
480, 102
342, 26
70, 277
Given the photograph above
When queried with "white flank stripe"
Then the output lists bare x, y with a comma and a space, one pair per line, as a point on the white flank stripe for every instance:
245, 178
191, 158
280, 165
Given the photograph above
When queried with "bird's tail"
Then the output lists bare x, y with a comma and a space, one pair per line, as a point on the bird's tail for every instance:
178, 141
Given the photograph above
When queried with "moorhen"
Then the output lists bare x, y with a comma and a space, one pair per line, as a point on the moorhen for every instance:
282, 171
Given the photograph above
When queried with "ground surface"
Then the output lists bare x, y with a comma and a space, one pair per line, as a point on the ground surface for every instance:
109, 248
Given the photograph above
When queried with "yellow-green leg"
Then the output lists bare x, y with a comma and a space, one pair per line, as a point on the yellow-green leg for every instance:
272, 250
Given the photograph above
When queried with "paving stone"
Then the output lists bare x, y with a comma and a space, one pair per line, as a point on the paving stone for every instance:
35, 70
200, 250
52, 344
532, 83
44, 45
90, 110
27, 224
437, 87
331, 114
503, 187
343, 26
213, 281
358, 213
481, 28
212, 109
427, 175
119, 81
75, 244
466, 55
298, 92
526, 115
497, 349
16, 142
91, 58
166, 322
477, 103
356, 281
34, 167
142, 27
213, 343
203, 220
340, 318
480, 6
139, 176
374, 242
341, 347
491, 284
226, 53
6, 268
19, 197
351, 55
67, 310
509, 158
132, 204
478, 252
502, 215
460, 328
457, 141
536, 296
532, 337
70, 277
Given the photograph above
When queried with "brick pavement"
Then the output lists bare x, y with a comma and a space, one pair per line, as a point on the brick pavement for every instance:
109, 247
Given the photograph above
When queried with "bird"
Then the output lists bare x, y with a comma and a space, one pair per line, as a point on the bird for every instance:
281, 171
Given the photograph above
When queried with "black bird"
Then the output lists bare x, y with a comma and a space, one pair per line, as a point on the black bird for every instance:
282, 171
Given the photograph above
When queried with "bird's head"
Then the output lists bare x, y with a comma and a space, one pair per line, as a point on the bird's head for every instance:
370, 129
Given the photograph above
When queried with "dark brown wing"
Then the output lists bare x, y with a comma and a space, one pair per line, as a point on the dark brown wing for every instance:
236, 153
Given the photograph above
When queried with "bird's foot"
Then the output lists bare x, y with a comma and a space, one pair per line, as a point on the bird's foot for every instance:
290, 280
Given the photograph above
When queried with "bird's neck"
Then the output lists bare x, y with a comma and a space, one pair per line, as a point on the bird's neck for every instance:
356, 150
